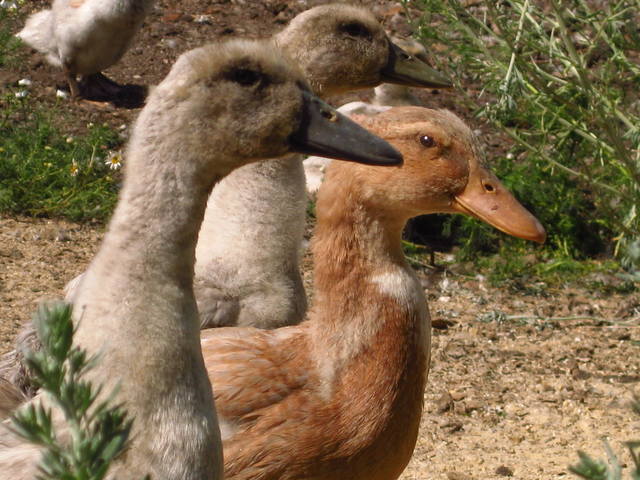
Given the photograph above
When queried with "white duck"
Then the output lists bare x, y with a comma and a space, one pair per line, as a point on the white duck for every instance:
221, 106
84, 37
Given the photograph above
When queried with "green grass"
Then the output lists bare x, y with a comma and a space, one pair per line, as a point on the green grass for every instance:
562, 86
45, 173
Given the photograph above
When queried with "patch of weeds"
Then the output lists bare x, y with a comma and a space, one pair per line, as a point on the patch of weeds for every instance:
560, 82
45, 173
530, 272
42, 171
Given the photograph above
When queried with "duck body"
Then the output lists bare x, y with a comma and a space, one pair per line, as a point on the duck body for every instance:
252, 278
248, 274
340, 395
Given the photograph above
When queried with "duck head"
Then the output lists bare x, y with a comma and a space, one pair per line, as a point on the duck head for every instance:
252, 90
442, 172
342, 47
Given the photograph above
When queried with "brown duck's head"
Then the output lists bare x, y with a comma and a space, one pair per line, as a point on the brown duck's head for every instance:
442, 172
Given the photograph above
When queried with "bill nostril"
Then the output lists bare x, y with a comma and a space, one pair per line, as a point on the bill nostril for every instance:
488, 187
329, 115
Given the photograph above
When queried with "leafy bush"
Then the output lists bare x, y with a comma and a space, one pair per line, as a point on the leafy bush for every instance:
561, 81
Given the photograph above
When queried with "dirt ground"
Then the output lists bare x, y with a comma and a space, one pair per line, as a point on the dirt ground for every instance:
519, 380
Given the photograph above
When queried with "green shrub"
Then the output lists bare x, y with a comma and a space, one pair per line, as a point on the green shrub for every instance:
560, 81
98, 431
591, 469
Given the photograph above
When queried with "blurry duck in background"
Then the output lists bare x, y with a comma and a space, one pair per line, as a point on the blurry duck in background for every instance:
84, 37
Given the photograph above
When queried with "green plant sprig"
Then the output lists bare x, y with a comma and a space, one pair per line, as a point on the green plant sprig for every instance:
97, 432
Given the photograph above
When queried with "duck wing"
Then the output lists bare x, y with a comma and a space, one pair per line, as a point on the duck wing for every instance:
254, 372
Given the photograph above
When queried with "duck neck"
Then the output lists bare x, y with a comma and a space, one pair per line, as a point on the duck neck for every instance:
155, 226
136, 308
364, 288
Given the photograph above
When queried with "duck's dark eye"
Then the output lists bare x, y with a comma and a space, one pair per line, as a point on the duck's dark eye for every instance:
245, 76
356, 29
427, 141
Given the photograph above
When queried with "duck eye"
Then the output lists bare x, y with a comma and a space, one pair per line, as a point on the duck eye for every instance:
427, 141
245, 76
355, 29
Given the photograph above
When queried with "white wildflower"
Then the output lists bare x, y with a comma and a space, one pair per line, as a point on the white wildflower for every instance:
22, 94
61, 93
114, 160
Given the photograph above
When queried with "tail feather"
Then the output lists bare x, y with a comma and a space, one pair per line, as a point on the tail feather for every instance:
13, 368
38, 33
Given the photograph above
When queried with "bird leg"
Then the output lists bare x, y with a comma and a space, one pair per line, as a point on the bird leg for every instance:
72, 81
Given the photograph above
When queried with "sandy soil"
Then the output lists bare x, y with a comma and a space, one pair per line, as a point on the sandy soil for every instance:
519, 380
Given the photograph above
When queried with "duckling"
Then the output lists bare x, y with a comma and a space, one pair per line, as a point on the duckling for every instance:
84, 37
221, 106
340, 395
250, 274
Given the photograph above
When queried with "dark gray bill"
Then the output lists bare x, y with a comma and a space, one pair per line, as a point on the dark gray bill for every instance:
327, 133
406, 69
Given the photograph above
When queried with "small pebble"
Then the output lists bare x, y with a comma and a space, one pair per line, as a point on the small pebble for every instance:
171, 43
24, 82
504, 471
61, 94
457, 476
205, 19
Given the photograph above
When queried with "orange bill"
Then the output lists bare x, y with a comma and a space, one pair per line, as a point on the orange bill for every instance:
486, 198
